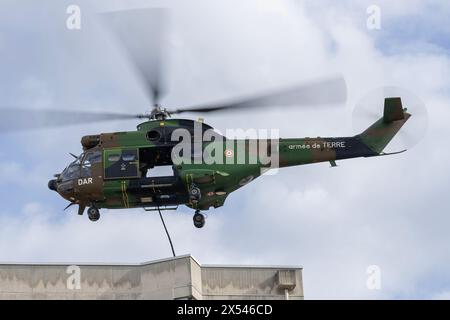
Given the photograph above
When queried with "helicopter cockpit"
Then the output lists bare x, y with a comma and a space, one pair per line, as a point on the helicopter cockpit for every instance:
82, 166
72, 171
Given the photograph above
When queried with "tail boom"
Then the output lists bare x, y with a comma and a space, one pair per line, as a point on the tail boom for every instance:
370, 143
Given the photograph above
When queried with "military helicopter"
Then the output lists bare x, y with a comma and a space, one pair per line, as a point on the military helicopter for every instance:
115, 169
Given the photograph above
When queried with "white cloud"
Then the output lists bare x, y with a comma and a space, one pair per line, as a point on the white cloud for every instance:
390, 211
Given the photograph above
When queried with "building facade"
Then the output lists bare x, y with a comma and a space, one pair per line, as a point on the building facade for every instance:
175, 278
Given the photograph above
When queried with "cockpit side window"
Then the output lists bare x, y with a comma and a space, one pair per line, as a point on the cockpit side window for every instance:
90, 158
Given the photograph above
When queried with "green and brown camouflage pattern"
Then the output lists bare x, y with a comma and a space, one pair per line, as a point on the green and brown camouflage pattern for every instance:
116, 177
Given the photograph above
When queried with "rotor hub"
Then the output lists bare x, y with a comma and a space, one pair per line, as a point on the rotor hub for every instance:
157, 113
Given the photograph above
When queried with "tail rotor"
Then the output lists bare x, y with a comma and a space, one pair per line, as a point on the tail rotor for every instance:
367, 111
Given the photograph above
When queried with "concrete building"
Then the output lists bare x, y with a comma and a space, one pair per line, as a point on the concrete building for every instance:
175, 278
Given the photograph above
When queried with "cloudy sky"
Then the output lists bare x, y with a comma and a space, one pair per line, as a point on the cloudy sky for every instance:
392, 212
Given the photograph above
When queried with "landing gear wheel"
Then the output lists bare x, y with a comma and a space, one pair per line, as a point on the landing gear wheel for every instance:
93, 214
199, 219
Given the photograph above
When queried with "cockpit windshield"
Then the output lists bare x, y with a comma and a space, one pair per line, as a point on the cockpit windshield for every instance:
73, 170
82, 166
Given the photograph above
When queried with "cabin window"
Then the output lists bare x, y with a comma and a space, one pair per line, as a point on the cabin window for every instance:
128, 157
120, 164
114, 157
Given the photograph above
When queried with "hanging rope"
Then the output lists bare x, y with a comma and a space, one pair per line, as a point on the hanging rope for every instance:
167, 232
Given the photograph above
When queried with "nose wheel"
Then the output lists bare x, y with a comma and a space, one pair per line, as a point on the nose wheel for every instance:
93, 214
199, 219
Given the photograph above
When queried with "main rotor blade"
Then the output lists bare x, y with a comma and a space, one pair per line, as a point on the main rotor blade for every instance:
142, 35
324, 92
24, 119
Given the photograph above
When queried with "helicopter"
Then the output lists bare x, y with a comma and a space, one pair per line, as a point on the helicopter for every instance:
115, 170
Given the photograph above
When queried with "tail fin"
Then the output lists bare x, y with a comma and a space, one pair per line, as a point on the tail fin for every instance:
378, 135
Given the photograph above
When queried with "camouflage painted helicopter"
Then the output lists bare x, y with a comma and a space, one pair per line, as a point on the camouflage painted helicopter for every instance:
115, 170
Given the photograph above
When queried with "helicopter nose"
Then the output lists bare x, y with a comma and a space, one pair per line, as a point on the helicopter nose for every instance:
66, 190
52, 185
